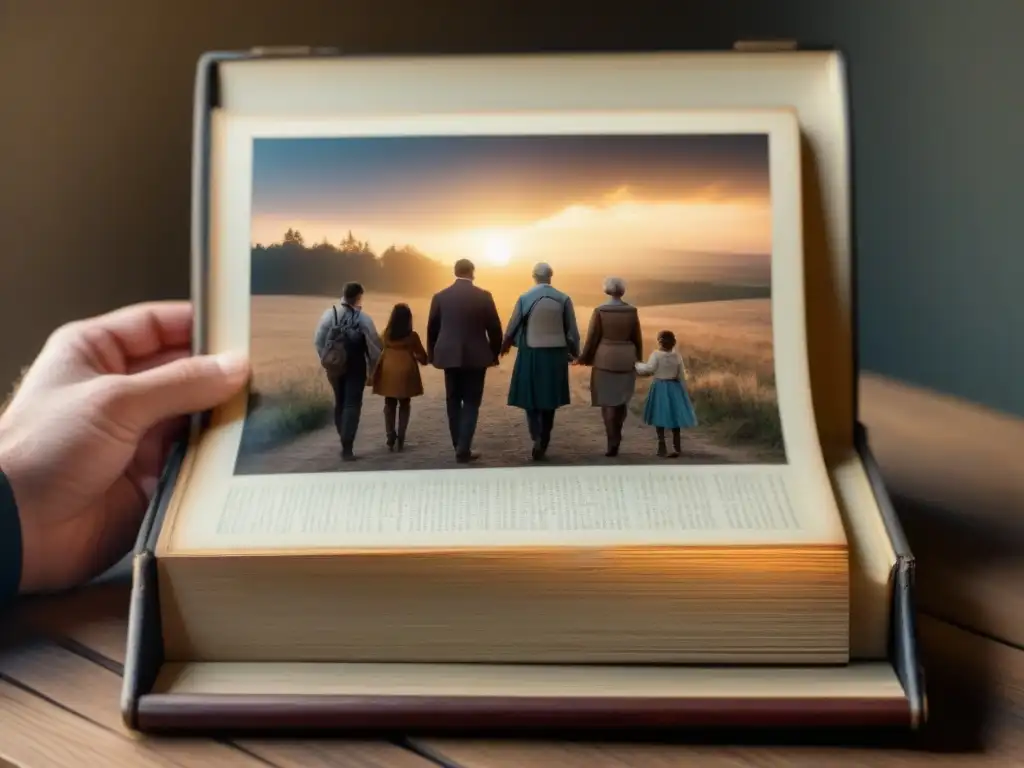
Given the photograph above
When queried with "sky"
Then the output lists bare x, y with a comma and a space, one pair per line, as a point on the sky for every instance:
577, 200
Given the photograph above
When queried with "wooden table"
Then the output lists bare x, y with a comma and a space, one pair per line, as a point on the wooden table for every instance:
61, 657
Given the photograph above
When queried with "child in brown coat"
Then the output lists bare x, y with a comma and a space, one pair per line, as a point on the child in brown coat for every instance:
397, 375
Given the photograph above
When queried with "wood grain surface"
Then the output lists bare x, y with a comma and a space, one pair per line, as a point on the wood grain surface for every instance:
956, 472
61, 656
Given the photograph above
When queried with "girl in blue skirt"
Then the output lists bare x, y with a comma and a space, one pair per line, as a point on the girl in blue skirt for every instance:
668, 405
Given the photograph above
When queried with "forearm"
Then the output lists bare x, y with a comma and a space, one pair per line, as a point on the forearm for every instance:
573, 343
320, 338
433, 327
638, 341
419, 352
496, 332
372, 337
572, 331
589, 349
374, 345
10, 543
593, 340
648, 368
513, 326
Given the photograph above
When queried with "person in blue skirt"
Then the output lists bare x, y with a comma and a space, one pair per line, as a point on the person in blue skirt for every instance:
668, 404
544, 331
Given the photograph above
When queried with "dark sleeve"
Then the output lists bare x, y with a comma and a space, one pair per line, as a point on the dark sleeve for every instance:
10, 543
593, 339
493, 326
572, 330
512, 329
433, 325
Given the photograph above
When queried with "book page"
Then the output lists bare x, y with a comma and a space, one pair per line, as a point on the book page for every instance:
666, 682
514, 381
488, 507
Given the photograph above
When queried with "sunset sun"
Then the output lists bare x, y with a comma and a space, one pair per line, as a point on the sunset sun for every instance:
498, 250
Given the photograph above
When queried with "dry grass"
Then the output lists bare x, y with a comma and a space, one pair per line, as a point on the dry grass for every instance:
290, 393
727, 347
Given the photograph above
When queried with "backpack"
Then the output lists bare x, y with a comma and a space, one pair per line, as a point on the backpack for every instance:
344, 333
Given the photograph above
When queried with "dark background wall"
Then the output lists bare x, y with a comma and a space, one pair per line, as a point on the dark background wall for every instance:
95, 147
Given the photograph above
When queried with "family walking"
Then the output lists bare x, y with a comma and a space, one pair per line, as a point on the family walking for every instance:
464, 338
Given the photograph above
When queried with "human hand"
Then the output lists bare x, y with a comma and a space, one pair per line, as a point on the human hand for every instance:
85, 437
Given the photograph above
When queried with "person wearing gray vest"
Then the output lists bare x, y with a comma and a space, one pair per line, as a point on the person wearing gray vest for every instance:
543, 329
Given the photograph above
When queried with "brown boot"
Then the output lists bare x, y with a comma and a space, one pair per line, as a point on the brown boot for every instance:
662, 449
390, 405
677, 446
610, 418
404, 412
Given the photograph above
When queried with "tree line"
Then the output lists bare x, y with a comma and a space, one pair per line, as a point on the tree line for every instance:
294, 267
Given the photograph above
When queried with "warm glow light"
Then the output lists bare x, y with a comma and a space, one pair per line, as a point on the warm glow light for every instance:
581, 235
497, 250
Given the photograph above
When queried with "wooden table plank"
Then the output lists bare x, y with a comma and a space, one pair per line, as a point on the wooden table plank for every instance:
92, 692
966, 672
38, 734
95, 617
955, 470
322, 753
94, 620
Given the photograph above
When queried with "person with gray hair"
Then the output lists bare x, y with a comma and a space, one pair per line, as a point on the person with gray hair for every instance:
543, 329
614, 345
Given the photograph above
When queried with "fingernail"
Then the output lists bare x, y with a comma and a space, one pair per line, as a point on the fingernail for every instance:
233, 364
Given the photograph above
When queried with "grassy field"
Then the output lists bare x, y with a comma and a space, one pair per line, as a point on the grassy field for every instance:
727, 347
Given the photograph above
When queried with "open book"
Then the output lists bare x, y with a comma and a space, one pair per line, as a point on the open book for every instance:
610, 478
573, 418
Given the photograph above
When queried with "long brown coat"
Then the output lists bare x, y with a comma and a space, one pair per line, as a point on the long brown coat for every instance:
614, 339
398, 371
463, 328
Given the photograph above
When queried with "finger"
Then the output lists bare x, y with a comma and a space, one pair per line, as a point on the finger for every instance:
160, 358
123, 510
133, 333
152, 453
187, 385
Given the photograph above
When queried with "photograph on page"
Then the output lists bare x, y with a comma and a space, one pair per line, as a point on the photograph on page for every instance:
540, 328
436, 302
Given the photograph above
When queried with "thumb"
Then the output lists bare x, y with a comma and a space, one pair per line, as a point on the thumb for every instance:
188, 385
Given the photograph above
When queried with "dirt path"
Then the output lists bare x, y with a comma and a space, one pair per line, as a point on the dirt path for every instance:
501, 438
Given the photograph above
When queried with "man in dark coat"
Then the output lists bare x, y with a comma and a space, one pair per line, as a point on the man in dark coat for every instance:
463, 339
